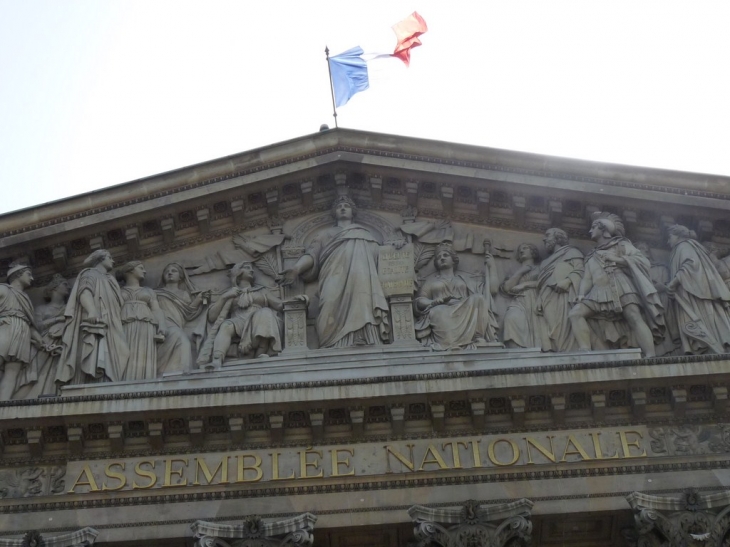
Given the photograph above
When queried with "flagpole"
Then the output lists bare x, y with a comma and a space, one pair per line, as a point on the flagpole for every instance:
332, 87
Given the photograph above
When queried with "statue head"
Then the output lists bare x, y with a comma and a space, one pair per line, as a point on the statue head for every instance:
17, 271
643, 246
57, 283
443, 249
242, 269
677, 232
131, 268
337, 207
99, 256
555, 237
525, 250
607, 225
175, 270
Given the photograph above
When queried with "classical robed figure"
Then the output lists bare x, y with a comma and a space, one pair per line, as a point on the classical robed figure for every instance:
353, 310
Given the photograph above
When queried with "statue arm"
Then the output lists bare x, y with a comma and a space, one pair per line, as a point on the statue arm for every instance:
158, 314
305, 263
514, 280
216, 309
86, 300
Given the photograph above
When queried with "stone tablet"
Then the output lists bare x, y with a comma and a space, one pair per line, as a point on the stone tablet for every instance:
395, 269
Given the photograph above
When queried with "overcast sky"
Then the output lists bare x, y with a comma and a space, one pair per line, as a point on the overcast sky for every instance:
98, 92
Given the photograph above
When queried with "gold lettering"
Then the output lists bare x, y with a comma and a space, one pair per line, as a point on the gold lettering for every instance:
90, 481
455, 452
144, 473
476, 453
437, 459
275, 468
242, 467
578, 450
304, 464
201, 465
549, 454
626, 444
599, 450
493, 457
336, 462
400, 457
169, 472
114, 475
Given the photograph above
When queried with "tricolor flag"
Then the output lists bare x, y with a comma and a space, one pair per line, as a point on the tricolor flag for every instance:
349, 71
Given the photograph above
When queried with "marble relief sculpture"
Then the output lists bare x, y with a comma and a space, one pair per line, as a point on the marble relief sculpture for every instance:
182, 305
616, 288
247, 311
143, 320
557, 289
701, 298
50, 320
452, 310
659, 274
521, 328
17, 330
353, 310
94, 346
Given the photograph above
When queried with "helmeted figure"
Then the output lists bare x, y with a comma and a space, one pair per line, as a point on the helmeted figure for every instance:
353, 310
557, 290
94, 346
17, 329
701, 298
616, 287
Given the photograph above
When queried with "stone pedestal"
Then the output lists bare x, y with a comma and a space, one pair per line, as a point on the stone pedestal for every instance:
401, 313
473, 525
254, 532
295, 327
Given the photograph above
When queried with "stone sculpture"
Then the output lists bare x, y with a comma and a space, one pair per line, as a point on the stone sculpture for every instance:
17, 329
720, 263
248, 311
452, 310
659, 274
557, 289
143, 320
701, 298
521, 328
616, 285
94, 347
182, 305
50, 320
353, 310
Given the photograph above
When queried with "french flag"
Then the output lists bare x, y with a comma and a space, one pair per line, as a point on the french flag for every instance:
349, 71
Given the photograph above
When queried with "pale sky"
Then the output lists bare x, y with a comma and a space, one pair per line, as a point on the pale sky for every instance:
99, 92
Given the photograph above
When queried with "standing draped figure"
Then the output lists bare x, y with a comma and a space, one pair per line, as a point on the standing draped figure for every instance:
521, 328
94, 347
182, 304
557, 289
701, 298
143, 320
353, 310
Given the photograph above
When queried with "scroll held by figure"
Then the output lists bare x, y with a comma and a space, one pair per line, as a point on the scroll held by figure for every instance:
701, 298
94, 346
454, 311
616, 294
353, 310
17, 332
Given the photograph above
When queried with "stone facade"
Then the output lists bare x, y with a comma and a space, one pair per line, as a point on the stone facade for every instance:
337, 339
